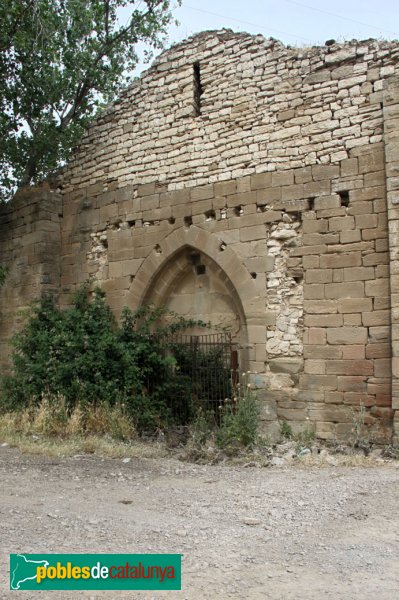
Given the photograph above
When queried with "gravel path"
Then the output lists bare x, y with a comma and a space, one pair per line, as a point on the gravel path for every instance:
280, 533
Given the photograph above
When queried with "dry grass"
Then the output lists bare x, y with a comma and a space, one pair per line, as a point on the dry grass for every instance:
49, 429
341, 460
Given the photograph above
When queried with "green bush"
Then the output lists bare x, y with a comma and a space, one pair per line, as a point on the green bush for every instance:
84, 356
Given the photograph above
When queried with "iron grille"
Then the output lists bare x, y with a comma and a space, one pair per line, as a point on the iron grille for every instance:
207, 368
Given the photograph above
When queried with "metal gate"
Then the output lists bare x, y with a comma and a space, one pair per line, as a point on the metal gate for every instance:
207, 366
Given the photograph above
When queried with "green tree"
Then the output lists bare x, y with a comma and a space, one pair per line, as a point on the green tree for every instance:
60, 61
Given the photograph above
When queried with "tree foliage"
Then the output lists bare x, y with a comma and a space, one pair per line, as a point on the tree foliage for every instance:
60, 60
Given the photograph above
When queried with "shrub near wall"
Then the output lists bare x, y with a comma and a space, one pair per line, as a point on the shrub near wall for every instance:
82, 355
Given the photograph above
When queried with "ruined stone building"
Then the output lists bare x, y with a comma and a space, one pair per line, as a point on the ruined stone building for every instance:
253, 185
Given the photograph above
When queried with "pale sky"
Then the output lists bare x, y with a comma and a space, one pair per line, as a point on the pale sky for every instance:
294, 22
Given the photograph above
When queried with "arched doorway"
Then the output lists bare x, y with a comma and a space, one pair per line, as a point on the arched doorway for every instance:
191, 284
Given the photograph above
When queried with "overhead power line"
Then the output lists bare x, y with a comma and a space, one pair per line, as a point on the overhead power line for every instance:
267, 29
331, 14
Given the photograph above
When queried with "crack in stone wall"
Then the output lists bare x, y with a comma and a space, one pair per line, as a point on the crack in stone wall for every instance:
285, 290
97, 257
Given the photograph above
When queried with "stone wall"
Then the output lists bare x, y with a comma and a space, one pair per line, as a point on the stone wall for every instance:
30, 248
262, 204
264, 107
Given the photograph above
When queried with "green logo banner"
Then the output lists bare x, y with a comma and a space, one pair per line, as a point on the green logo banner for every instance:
95, 571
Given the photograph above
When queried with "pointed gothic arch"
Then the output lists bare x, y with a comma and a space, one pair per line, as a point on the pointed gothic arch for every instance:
172, 265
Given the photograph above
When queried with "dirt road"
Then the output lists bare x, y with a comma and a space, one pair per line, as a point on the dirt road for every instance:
280, 533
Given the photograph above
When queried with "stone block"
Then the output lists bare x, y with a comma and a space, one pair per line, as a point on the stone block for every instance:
305, 250
260, 353
326, 202
320, 306
379, 388
317, 188
328, 213
348, 237
268, 408
225, 188
261, 180
322, 352
314, 239
352, 319
347, 335
291, 414
379, 334
293, 192
373, 234
339, 261
350, 367
248, 234
372, 193
351, 383
130, 267
303, 397
146, 189
379, 258
354, 289
315, 226
377, 288
366, 221
355, 247
353, 305
115, 270
358, 399
341, 223
318, 276
317, 335
356, 352
382, 367
331, 412
311, 262
378, 350
202, 193
320, 172
286, 365
376, 318
371, 161
260, 265
334, 320
303, 175
349, 167
315, 366
319, 382
256, 334
268, 196
326, 431
285, 115
283, 178
358, 273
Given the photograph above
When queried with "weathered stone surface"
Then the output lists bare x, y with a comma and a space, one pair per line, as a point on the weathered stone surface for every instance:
286, 365
273, 212
347, 335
